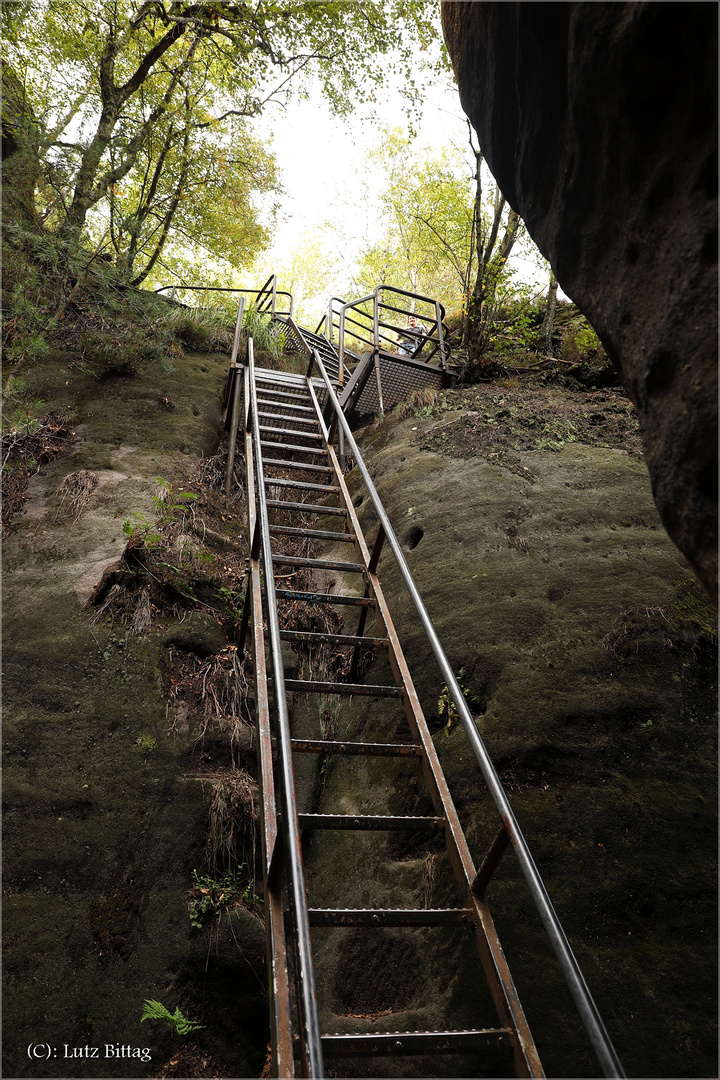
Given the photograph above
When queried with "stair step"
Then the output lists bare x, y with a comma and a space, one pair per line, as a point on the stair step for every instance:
310, 686
276, 463
323, 598
305, 485
368, 821
283, 416
292, 431
313, 638
320, 564
315, 534
307, 508
412, 1042
285, 405
281, 393
292, 446
390, 916
327, 746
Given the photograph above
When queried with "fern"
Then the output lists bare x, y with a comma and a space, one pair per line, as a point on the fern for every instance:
153, 1010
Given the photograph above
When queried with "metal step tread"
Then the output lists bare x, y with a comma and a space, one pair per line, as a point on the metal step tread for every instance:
310, 686
320, 564
313, 638
291, 446
315, 534
277, 463
281, 393
284, 416
292, 431
285, 405
411, 1042
327, 746
308, 508
390, 916
323, 598
305, 485
368, 821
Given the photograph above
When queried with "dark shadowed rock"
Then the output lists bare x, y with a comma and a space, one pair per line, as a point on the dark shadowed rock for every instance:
599, 122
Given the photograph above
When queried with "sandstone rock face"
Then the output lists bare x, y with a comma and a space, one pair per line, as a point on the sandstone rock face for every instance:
599, 122
575, 626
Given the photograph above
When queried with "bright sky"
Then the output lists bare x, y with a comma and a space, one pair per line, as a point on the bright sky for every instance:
323, 162
317, 154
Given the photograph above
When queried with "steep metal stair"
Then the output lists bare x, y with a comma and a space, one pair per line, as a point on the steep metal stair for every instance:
297, 498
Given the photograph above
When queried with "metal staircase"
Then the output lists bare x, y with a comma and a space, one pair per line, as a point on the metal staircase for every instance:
298, 501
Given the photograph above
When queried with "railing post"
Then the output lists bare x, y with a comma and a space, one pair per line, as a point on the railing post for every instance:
233, 431
274, 291
441, 339
376, 359
238, 329
341, 349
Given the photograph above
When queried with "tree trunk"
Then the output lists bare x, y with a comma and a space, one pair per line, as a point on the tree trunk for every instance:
490, 269
546, 331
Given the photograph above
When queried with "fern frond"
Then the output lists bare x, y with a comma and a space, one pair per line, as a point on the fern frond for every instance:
154, 1010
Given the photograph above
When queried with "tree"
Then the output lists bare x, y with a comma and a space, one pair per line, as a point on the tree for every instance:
491, 261
441, 236
546, 330
426, 223
104, 77
190, 183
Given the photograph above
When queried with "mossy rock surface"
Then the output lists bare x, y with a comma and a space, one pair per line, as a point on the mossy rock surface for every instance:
104, 820
588, 653
588, 656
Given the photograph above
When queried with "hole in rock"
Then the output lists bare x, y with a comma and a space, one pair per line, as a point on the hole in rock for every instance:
413, 536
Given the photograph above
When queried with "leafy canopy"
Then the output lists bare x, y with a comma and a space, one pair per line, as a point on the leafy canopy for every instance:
140, 110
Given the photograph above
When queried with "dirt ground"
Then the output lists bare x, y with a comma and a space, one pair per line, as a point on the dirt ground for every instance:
501, 420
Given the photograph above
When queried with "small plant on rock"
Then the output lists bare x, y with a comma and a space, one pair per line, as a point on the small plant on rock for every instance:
154, 1010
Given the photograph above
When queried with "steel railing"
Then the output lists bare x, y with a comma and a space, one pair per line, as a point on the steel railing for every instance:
268, 296
584, 1002
379, 324
287, 851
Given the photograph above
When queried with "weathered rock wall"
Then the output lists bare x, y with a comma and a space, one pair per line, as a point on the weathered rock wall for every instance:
104, 817
599, 122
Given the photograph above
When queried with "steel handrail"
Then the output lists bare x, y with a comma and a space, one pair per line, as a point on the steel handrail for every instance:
574, 978
307, 1001
434, 336
228, 289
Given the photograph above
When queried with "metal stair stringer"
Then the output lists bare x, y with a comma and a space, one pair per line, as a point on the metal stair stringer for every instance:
259, 437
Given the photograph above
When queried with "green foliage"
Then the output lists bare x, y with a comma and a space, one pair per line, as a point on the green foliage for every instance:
231, 600
427, 207
153, 1010
203, 329
580, 343
268, 337
137, 115
27, 324
447, 709
171, 506
211, 896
